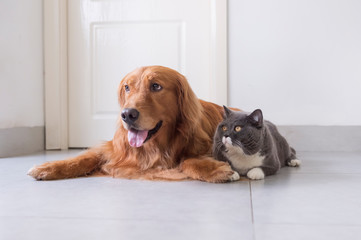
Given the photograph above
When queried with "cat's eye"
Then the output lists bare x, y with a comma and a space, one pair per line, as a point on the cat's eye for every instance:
237, 128
224, 128
126, 87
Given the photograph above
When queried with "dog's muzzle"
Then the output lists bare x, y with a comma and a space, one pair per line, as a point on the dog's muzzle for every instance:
130, 115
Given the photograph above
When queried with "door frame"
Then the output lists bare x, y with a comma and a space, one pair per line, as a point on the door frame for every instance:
55, 73
56, 66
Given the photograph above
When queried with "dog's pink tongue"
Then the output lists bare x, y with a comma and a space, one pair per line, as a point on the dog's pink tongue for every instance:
136, 138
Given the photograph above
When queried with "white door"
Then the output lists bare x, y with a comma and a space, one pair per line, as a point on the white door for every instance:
107, 39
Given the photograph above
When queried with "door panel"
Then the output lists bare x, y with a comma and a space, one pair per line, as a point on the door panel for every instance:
113, 55
107, 39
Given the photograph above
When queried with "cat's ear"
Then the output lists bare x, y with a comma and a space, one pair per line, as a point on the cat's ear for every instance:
227, 112
256, 118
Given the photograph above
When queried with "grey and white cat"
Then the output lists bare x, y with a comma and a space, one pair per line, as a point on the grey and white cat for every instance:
252, 146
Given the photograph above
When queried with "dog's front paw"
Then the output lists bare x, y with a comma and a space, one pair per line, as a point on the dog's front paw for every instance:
42, 172
209, 170
234, 177
224, 174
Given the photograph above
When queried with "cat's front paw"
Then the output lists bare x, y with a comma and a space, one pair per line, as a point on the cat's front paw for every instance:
255, 174
294, 163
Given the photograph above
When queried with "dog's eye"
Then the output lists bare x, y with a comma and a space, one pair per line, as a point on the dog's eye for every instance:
155, 87
126, 87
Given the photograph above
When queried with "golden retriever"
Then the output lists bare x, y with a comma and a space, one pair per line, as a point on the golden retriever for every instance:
165, 133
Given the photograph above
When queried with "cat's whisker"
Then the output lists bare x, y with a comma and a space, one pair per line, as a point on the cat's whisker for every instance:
217, 148
238, 143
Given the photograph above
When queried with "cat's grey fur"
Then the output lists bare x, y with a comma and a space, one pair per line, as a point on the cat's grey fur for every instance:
257, 150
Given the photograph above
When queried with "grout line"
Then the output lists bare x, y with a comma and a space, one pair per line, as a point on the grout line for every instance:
252, 216
326, 173
250, 195
75, 218
332, 151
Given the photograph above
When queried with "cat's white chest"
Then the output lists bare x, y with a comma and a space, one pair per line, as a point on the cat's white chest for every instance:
241, 161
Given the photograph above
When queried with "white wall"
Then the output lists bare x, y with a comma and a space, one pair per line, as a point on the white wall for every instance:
21, 64
297, 60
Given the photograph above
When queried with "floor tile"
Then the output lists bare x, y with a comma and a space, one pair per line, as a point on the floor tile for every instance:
303, 232
307, 199
104, 206
319, 200
126, 199
329, 162
60, 229
15, 169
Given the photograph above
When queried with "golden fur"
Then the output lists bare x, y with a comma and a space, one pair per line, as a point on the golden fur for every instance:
181, 149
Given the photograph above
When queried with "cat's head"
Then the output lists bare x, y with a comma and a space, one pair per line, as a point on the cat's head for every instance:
239, 130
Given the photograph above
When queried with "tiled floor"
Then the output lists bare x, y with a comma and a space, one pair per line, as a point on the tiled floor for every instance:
320, 200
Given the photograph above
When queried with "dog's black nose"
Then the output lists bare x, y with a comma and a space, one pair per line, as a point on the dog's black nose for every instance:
130, 115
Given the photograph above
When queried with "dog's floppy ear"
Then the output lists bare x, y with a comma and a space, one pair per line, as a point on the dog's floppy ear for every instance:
189, 107
121, 93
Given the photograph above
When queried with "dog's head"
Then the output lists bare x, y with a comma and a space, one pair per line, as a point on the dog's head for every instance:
156, 101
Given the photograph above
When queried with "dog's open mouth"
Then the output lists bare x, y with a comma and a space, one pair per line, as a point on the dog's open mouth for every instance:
137, 137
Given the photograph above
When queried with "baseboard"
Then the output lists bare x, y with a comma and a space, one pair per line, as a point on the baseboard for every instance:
323, 138
21, 140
